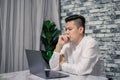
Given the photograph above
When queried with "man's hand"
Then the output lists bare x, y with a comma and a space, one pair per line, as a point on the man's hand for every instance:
63, 39
62, 59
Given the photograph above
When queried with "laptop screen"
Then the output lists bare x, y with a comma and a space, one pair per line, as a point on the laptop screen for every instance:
35, 61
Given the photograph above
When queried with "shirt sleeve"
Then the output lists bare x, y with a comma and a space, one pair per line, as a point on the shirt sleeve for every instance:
87, 61
54, 61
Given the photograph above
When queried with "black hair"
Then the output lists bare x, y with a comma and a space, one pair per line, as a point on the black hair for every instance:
78, 19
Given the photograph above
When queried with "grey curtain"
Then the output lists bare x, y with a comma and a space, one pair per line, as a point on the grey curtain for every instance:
20, 28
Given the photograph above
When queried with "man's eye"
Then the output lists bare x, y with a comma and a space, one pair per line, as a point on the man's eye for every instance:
69, 29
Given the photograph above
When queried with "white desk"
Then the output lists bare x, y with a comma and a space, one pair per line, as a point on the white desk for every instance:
25, 75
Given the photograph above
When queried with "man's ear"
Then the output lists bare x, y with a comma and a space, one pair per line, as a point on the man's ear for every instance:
81, 29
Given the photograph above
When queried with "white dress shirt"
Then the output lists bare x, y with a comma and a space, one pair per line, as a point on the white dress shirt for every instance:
81, 59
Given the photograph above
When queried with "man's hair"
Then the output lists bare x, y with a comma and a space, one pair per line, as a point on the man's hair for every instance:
78, 20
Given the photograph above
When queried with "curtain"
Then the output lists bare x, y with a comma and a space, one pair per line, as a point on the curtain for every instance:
51, 12
20, 28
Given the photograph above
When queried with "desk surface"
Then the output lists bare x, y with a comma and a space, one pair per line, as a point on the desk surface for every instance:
25, 75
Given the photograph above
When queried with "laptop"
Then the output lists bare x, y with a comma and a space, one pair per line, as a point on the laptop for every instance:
37, 66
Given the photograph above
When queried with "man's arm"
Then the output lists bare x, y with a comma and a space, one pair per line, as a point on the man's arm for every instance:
54, 61
56, 58
86, 63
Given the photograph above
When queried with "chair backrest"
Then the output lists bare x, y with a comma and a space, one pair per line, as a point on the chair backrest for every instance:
98, 69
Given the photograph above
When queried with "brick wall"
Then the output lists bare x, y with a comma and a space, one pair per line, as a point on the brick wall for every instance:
103, 23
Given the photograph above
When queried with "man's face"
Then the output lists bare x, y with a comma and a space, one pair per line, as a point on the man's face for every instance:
73, 33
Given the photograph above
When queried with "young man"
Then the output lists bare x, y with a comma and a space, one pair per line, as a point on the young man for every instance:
76, 53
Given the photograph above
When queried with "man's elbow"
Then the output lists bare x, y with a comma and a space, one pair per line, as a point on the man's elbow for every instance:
83, 72
53, 66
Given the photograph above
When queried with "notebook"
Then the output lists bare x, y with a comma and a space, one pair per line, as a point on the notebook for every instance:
37, 66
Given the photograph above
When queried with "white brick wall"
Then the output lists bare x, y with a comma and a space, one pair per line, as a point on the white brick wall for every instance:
102, 23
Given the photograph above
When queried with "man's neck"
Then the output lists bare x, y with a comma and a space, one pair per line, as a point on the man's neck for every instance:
79, 40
